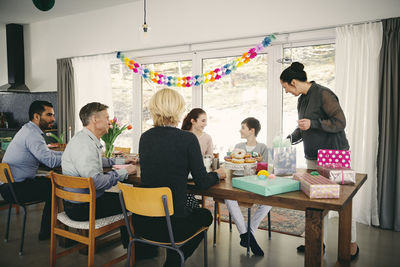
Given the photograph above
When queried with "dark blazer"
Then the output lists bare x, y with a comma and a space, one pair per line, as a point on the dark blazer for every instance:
321, 106
167, 155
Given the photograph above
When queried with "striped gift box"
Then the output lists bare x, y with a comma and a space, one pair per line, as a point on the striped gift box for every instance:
317, 186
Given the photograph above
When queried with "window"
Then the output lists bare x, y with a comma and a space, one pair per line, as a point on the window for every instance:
122, 94
176, 68
253, 90
237, 96
319, 63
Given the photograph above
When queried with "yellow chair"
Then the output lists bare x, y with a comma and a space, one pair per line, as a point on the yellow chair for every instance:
125, 150
59, 219
7, 178
154, 202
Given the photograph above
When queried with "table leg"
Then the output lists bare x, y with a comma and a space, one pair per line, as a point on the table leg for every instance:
345, 233
314, 238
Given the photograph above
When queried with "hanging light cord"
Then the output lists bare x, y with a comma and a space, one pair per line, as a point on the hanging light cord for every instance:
144, 11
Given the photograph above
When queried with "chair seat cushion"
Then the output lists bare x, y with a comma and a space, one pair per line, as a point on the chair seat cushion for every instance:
63, 217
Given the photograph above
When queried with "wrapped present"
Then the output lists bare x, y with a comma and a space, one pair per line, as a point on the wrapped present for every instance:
261, 166
331, 156
337, 174
266, 187
284, 160
317, 186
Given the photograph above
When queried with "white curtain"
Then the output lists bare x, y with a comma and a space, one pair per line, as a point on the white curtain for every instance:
92, 83
357, 68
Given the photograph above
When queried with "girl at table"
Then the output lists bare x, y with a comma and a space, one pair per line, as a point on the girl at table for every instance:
195, 122
167, 155
321, 124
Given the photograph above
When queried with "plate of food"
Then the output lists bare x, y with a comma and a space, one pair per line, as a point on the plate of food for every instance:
238, 158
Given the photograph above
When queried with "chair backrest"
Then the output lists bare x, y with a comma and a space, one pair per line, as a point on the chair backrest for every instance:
59, 181
146, 201
126, 150
4, 167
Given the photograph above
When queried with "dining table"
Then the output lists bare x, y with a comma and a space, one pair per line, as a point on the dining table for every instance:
315, 210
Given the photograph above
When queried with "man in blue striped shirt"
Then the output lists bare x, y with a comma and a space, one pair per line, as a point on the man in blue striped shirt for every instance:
26, 150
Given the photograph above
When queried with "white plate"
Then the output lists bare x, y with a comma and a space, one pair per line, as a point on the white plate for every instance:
238, 167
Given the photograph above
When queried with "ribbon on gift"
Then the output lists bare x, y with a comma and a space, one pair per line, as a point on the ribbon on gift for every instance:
334, 165
342, 177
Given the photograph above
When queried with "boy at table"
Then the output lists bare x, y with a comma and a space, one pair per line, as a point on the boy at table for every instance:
249, 130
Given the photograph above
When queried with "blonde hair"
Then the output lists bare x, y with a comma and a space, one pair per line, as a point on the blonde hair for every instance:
166, 107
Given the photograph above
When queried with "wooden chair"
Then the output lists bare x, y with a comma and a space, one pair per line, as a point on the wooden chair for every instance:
248, 206
125, 150
7, 178
59, 219
154, 202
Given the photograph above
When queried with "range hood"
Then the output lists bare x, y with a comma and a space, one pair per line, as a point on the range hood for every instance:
15, 59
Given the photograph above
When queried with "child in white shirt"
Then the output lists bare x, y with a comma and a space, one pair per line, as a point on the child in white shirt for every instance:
249, 130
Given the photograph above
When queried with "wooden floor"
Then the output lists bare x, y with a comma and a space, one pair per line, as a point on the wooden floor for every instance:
377, 248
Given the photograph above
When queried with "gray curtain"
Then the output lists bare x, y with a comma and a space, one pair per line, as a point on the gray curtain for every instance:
389, 127
66, 97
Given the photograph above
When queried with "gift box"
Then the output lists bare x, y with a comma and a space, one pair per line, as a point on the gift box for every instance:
284, 160
261, 166
266, 187
317, 186
338, 175
330, 156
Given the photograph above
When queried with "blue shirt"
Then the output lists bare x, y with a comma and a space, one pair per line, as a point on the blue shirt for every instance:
82, 158
26, 150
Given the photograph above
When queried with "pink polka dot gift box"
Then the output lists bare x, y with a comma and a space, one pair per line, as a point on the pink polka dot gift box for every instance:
331, 157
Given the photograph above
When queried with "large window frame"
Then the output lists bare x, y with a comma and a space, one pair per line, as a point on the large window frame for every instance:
197, 52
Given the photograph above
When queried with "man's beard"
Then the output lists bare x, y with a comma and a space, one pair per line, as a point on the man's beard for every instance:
45, 125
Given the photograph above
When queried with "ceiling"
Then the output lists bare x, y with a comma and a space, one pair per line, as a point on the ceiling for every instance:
24, 11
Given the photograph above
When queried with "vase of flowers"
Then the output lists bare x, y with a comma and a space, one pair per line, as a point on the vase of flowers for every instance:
59, 139
113, 132
60, 145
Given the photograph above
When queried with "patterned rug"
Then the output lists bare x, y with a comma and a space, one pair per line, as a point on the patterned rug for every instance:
286, 221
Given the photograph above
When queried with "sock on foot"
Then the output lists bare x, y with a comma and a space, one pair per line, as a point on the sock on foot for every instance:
255, 248
243, 240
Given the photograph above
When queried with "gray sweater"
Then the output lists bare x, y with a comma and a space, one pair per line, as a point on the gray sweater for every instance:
260, 148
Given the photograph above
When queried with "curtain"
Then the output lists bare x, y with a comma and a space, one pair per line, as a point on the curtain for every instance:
92, 83
389, 126
65, 98
357, 72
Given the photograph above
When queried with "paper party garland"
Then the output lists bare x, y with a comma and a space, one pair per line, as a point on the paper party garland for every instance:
195, 80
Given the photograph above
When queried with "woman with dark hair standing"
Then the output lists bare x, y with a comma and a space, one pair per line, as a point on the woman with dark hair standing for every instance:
321, 123
195, 122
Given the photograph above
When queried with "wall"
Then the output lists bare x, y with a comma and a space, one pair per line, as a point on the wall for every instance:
16, 106
3, 55
181, 22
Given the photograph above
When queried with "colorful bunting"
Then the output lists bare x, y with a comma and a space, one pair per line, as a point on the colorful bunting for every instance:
195, 80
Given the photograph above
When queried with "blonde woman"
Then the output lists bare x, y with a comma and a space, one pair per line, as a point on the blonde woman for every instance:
167, 155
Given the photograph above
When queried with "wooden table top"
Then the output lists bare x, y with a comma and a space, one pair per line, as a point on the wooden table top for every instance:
292, 200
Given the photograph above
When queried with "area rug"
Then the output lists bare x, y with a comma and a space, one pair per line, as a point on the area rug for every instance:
286, 221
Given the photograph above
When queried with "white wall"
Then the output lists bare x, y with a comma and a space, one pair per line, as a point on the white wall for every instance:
178, 22
3, 55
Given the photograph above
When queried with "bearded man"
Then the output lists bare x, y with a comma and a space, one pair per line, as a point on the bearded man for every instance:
26, 150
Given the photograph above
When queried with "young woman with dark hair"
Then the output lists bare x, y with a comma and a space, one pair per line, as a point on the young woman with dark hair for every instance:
195, 122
